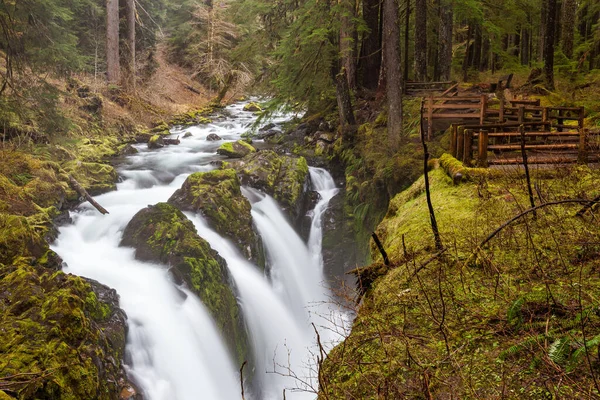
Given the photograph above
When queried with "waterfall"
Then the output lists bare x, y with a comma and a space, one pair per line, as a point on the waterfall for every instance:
174, 351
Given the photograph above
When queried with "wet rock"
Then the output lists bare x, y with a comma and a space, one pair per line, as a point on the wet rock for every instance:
237, 149
267, 134
187, 135
128, 150
218, 197
213, 137
281, 176
162, 233
267, 127
156, 142
67, 333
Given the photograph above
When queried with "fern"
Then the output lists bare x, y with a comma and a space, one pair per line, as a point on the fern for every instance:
513, 315
580, 352
560, 350
527, 344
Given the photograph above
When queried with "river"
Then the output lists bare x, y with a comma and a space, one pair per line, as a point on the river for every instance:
174, 351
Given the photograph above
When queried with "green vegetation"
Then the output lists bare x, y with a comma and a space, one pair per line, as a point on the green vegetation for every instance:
512, 320
218, 197
236, 149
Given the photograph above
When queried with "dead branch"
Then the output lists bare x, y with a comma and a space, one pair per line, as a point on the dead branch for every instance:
242, 378
83, 193
386, 260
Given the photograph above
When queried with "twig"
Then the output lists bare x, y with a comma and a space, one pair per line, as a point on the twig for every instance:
588, 206
386, 260
242, 378
83, 193
587, 354
429, 261
526, 165
530, 210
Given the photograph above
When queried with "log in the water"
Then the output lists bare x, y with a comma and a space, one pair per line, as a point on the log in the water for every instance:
83, 193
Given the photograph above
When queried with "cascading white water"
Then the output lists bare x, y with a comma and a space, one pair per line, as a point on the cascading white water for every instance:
174, 349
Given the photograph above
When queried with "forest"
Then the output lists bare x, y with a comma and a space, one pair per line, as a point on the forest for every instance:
302, 199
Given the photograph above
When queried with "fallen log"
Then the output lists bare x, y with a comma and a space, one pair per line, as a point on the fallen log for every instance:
83, 193
172, 141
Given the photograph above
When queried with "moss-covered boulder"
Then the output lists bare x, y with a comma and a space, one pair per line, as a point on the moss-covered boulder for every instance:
218, 197
162, 233
237, 149
281, 176
252, 107
96, 178
156, 142
61, 337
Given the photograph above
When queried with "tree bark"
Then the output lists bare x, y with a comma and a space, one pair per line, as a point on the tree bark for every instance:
347, 33
569, 10
112, 42
406, 40
543, 30
525, 47
476, 53
445, 41
549, 45
129, 48
420, 40
370, 64
392, 66
344, 100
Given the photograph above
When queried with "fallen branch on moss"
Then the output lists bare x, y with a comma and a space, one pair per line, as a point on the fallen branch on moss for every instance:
532, 210
83, 193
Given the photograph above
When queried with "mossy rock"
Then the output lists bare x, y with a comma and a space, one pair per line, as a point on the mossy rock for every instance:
67, 334
162, 233
195, 117
218, 197
27, 183
19, 237
252, 107
237, 149
156, 142
96, 178
281, 176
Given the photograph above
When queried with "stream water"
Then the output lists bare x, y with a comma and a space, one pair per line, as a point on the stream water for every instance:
174, 351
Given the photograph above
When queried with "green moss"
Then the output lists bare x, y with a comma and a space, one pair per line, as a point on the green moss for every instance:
163, 233
237, 149
50, 333
217, 196
253, 107
96, 178
283, 177
505, 321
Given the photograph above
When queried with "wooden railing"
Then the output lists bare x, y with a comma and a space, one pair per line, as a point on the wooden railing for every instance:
473, 144
413, 88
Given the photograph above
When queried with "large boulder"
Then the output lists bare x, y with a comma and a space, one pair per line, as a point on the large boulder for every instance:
162, 233
281, 176
218, 197
237, 149
96, 178
156, 142
61, 336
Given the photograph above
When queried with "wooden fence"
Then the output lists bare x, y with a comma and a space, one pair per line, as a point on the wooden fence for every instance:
420, 88
474, 144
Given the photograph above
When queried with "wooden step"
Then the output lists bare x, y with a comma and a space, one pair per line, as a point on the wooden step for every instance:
505, 147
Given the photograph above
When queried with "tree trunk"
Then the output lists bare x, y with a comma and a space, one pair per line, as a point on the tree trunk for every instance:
344, 101
392, 60
549, 44
569, 10
420, 40
129, 48
467, 56
445, 41
370, 64
112, 41
406, 40
524, 47
477, 43
347, 33
543, 30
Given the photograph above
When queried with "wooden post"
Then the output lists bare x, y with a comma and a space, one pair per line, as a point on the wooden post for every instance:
483, 142
547, 126
454, 130
582, 156
468, 148
581, 117
430, 117
460, 143
521, 115
501, 115
560, 121
483, 109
